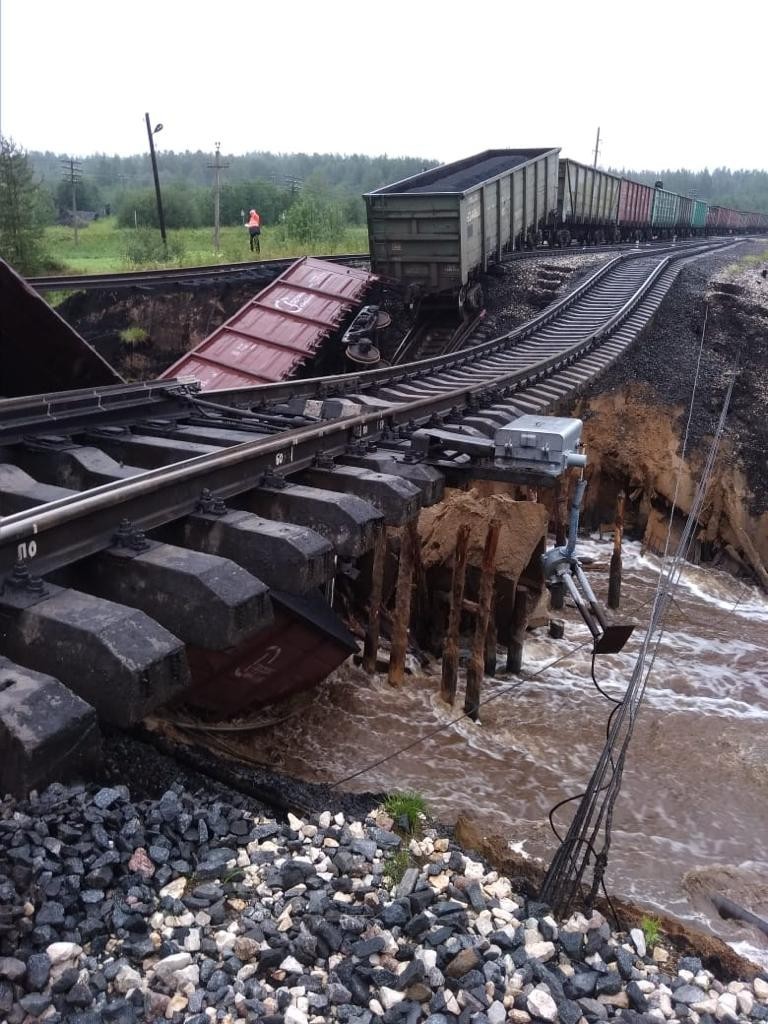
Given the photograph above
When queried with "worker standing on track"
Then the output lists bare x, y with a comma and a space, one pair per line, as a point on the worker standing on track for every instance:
254, 230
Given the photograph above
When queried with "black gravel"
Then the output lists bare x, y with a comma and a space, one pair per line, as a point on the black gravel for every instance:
192, 909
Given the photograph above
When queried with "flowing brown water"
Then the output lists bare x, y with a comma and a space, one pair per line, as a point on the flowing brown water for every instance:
692, 815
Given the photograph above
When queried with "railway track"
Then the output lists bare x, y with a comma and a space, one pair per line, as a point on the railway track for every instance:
232, 271
217, 272
148, 529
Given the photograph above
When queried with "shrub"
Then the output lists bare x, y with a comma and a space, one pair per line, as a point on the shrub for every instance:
406, 807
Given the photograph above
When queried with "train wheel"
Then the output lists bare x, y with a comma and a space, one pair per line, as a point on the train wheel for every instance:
475, 298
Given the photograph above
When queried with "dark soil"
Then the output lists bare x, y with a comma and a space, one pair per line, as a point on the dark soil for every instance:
665, 358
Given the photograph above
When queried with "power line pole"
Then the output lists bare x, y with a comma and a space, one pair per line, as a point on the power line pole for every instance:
597, 148
218, 167
150, 133
73, 173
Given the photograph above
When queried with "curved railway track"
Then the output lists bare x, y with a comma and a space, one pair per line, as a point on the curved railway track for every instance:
274, 487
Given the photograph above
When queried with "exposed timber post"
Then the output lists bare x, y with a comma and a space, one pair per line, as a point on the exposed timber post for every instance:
517, 630
451, 649
371, 645
485, 598
402, 616
491, 642
614, 576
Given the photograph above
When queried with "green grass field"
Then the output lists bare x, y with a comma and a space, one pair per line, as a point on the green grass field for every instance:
104, 248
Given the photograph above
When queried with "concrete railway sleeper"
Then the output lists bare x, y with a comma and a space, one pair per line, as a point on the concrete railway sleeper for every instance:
172, 559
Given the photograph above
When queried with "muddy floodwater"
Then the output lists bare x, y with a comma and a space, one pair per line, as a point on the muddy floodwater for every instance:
692, 816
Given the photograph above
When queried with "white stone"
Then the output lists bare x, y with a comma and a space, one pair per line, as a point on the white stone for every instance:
473, 869
496, 1013
309, 831
735, 986
188, 978
126, 979
727, 1006
550, 921
644, 985
428, 957
324, 821
439, 882
576, 923
339, 818
224, 940
294, 823
293, 1015
175, 888
202, 918
61, 952
705, 1006
389, 997
343, 897
451, 1004
541, 1004
170, 964
665, 1005
703, 979
356, 829
567, 970
660, 955
639, 940
291, 964
686, 976
761, 988
500, 889
330, 843
484, 923
540, 950
376, 1008
519, 1017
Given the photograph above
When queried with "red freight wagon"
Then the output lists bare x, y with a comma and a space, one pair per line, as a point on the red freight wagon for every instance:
278, 330
635, 207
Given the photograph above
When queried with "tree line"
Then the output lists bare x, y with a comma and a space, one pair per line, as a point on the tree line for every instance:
312, 197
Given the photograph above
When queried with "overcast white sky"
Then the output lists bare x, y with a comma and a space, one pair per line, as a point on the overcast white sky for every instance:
671, 84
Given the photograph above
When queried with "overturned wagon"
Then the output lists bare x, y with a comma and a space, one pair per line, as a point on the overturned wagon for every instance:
437, 231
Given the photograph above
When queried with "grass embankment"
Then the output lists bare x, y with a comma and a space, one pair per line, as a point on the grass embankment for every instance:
104, 248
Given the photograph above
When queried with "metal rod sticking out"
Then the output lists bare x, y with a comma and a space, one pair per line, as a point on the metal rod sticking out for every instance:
614, 575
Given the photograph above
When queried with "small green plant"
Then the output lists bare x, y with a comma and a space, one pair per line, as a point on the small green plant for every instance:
133, 336
406, 808
395, 866
651, 928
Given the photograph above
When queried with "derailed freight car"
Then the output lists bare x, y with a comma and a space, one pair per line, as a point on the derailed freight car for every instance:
587, 205
437, 231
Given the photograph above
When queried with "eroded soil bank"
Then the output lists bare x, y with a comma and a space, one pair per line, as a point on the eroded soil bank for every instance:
636, 417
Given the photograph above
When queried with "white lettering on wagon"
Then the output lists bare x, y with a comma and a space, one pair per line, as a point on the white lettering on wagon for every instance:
292, 303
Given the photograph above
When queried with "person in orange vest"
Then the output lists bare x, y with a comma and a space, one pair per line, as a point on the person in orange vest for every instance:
254, 230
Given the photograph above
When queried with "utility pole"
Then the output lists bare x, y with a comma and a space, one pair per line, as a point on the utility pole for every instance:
597, 148
150, 133
73, 174
217, 166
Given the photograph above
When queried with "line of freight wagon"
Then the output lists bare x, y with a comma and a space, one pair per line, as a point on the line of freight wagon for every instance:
437, 231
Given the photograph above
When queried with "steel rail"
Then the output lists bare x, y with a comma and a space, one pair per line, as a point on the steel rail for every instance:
138, 278
268, 394
130, 278
73, 527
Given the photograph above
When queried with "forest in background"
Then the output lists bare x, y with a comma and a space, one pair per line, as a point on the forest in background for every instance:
274, 179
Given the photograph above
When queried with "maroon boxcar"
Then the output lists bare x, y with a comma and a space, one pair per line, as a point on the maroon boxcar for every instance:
635, 208
270, 337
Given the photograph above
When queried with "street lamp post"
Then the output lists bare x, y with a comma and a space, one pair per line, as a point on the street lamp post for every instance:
150, 133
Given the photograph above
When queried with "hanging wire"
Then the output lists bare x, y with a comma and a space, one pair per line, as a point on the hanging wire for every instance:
595, 813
